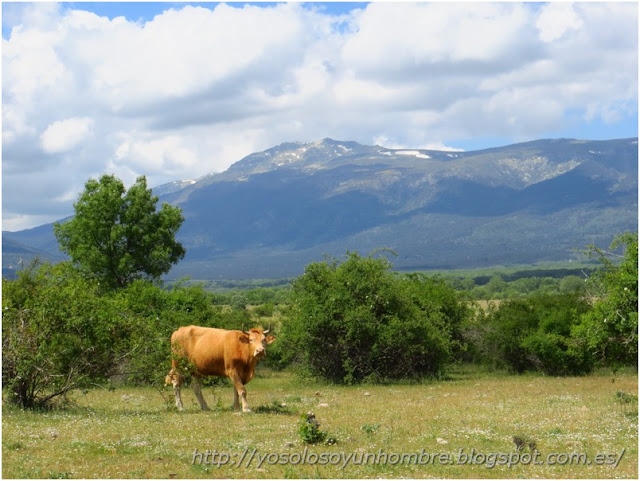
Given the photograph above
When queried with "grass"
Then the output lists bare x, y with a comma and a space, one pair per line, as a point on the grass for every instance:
130, 432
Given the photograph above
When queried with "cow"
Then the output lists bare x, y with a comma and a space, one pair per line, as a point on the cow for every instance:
217, 352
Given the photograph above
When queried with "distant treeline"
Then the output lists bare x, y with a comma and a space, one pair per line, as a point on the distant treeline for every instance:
553, 273
235, 284
501, 284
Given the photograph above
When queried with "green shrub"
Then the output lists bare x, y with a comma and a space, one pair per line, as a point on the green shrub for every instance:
264, 310
434, 295
610, 329
535, 334
309, 429
58, 334
357, 321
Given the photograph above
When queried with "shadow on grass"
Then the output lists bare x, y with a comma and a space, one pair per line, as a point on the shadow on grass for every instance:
276, 407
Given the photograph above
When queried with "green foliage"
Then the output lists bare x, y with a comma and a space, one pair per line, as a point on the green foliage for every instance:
264, 310
118, 236
500, 286
610, 330
58, 334
535, 334
154, 314
433, 296
275, 407
62, 332
239, 302
309, 429
370, 429
355, 321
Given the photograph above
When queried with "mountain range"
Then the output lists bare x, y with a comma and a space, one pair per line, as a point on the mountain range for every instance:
275, 211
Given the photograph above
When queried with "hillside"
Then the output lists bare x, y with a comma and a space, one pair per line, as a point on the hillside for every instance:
275, 211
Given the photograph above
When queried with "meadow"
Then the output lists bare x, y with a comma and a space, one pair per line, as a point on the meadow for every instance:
546, 427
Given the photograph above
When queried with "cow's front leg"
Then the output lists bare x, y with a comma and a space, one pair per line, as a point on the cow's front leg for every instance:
197, 388
236, 400
239, 391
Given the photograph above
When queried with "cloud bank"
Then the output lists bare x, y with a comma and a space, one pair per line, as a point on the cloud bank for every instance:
193, 89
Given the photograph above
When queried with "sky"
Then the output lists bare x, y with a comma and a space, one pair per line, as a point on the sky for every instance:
179, 90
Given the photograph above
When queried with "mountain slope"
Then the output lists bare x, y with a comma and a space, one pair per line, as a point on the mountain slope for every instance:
275, 211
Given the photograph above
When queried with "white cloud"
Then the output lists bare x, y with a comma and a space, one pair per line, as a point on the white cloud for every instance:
194, 89
423, 38
64, 135
167, 154
556, 19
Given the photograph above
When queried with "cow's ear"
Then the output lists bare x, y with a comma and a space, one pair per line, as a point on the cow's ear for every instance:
270, 339
244, 338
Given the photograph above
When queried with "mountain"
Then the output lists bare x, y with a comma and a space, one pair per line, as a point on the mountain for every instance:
18, 248
273, 212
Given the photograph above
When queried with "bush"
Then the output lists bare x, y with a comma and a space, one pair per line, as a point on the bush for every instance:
58, 334
309, 429
610, 330
356, 321
263, 310
535, 334
434, 295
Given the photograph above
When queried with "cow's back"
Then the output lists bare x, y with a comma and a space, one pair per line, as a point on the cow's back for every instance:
209, 349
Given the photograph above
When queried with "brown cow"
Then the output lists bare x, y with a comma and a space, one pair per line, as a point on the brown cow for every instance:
217, 352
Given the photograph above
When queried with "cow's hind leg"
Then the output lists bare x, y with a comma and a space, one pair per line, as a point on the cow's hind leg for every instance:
197, 388
176, 381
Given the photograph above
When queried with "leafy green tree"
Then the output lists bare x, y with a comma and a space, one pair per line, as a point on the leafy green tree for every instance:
610, 330
118, 236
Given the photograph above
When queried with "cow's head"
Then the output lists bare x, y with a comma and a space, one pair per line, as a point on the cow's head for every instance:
258, 341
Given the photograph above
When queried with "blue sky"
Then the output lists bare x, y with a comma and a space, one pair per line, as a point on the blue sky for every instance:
145, 11
179, 90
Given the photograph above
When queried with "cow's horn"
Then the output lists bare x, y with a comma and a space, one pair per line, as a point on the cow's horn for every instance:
266, 332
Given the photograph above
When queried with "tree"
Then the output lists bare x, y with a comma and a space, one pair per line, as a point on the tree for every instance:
118, 236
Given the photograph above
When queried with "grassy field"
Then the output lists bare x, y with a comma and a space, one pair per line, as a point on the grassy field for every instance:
133, 433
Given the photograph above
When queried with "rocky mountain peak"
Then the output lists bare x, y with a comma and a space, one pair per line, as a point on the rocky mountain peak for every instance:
274, 211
